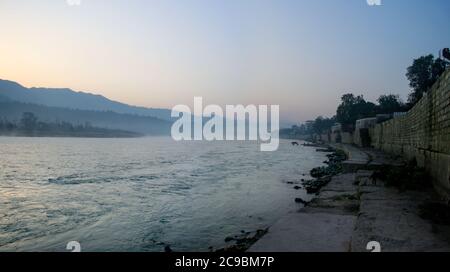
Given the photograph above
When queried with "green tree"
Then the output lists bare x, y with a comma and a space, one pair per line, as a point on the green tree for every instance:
353, 108
390, 103
422, 74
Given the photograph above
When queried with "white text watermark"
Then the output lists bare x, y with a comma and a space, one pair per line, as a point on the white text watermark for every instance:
237, 122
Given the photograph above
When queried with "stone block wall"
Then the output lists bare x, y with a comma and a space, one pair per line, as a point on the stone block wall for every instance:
347, 137
423, 133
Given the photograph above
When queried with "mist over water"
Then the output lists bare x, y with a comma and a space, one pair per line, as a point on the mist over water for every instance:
142, 194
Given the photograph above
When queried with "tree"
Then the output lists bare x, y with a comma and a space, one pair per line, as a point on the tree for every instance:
353, 108
28, 121
322, 125
390, 103
422, 74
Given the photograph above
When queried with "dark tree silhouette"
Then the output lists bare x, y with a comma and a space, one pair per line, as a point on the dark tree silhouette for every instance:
446, 53
422, 74
353, 108
28, 121
322, 125
390, 103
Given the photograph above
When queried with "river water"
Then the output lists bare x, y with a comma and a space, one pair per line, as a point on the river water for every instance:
142, 194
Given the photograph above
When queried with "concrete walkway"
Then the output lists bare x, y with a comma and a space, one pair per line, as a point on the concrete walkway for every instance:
308, 233
393, 219
325, 225
364, 158
352, 211
357, 159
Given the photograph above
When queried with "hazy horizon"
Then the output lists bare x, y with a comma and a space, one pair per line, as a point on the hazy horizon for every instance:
302, 55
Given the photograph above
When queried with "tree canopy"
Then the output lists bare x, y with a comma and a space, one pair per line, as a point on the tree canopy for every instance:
422, 74
390, 103
323, 124
353, 108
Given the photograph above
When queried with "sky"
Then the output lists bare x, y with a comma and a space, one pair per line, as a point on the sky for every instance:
299, 54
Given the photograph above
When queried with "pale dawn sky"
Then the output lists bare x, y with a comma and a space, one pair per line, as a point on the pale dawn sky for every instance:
302, 55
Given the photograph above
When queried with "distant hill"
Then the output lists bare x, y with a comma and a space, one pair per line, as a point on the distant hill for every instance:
12, 111
31, 126
67, 98
4, 99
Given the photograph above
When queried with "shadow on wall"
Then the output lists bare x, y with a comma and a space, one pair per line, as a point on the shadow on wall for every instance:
422, 134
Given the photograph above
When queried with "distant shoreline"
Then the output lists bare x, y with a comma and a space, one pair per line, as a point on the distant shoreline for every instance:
30, 126
99, 135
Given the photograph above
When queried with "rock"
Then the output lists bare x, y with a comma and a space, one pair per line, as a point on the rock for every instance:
299, 200
324, 150
314, 186
167, 249
312, 145
243, 242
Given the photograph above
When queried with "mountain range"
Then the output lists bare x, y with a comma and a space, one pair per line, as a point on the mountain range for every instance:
50, 104
67, 98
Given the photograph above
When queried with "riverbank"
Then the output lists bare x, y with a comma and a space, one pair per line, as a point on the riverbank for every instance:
84, 133
310, 183
362, 204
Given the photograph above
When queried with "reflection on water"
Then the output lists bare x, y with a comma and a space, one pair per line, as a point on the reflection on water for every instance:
141, 194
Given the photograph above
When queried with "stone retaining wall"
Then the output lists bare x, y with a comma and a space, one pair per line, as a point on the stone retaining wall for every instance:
423, 133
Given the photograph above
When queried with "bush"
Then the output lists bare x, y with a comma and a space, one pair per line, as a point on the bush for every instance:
409, 177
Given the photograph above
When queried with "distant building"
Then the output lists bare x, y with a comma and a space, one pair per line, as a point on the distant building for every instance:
366, 123
361, 135
383, 117
398, 114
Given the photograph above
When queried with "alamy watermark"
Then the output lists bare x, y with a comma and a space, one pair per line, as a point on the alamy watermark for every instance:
73, 246
374, 246
73, 2
369, 2
237, 122
374, 2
